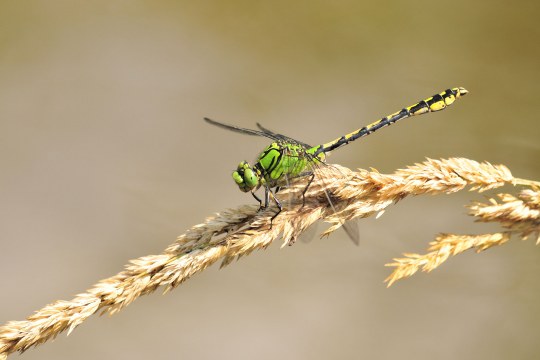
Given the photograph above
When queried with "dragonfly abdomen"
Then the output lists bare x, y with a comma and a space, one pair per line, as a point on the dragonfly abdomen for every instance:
435, 103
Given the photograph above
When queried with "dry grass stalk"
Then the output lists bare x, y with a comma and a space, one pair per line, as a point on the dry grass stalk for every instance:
519, 215
444, 246
237, 232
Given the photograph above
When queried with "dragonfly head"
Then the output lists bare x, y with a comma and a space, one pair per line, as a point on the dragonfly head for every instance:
246, 177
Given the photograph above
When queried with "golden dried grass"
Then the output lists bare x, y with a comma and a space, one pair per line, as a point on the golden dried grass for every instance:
237, 232
520, 216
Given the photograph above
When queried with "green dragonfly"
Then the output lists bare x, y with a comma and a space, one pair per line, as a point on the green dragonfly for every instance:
286, 158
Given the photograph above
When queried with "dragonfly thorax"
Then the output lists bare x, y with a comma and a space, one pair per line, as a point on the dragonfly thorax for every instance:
277, 161
276, 166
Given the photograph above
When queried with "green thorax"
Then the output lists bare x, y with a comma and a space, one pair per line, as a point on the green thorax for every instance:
281, 161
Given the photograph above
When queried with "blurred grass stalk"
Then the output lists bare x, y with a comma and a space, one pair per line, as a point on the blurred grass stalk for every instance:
237, 232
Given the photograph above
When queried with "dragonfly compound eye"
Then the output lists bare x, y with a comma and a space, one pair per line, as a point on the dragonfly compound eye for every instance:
245, 177
251, 179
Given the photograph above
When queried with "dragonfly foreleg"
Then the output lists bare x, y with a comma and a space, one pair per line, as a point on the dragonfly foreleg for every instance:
258, 199
278, 205
267, 194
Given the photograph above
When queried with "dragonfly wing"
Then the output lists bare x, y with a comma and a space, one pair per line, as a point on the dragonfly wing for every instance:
350, 227
242, 130
283, 137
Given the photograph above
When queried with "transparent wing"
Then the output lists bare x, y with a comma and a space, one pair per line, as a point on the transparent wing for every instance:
283, 137
350, 227
314, 164
242, 130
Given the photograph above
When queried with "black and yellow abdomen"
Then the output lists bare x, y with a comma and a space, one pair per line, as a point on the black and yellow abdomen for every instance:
435, 103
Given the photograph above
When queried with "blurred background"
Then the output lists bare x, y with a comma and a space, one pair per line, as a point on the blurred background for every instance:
105, 158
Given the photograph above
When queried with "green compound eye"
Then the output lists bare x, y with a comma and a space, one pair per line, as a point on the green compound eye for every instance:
238, 179
245, 177
250, 178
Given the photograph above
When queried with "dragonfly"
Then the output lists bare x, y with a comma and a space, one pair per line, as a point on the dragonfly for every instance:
286, 158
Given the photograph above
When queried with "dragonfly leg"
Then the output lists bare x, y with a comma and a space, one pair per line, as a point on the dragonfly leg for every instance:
259, 200
311, 177
267, 192
279, 208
